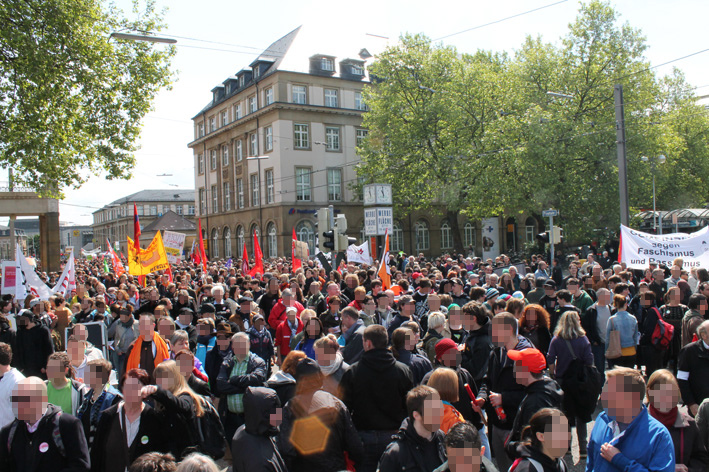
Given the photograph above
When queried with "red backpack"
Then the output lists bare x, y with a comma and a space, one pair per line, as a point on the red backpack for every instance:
662, 334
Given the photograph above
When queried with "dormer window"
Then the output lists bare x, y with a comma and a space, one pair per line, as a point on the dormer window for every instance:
327, 64
242, 81
357, 69
257, 72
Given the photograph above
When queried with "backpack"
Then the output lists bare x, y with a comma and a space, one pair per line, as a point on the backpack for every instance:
537, 466
662, 334
56, 435
211, 432
581, 382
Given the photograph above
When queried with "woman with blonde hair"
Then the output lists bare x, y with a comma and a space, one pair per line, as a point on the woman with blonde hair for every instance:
663, 396
179, 406
445, 381
570, 343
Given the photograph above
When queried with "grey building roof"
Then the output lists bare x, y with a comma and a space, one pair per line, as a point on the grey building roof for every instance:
171, 221
156, 196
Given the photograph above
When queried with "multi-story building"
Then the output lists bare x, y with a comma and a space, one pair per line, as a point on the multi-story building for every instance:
278, 140
76, 236
115, 220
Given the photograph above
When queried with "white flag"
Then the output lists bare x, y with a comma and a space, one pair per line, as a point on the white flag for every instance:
27, 281
67, 281
359, 254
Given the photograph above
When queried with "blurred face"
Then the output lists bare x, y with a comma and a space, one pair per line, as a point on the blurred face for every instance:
455, 318
185, 363
291, 315
223, 340
573, 288
619, 405
131, 390
313, 328
334, 307
275, 418
146, 326
165, 329
240, 347
464, 459
676, 272
500, 333
664, 397
55, 370
557, 437
164, 381
94, 377
604, 298
180, 345
324, 357
451, 358
75, 349
434, 303
432, 414
531, 318
674, 296
185, 318
29, 401
410, 342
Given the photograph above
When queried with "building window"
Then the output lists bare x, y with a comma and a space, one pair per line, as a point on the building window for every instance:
200, 163
253, 145
357, 69
269, 96
190, 209
153, 210
469, 235
240, 241
200, 127
331, 98
359, 102
446, 236
334, 185
242, 81
254, 190
396, 242
212, 124
179, 209
302, 184
214, 250
227, 196
269, 138
272, 240
300, 95
327, 64
270, 189
239, 193
302, 138
422, 237
213, 159
215, 199
225, 155
226, 235
530, 229
202, 203
305, 232
252, 104
225, 118
332, 138
237, 111
361, 134
239, 151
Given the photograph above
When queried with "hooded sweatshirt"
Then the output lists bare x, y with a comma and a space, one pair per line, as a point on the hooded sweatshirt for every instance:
255, 446
527, 454
409, 451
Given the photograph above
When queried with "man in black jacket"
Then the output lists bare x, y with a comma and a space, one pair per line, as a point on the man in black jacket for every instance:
499, 388
33, 345
693, 369
540, 392
42, 438
419, 443
477, 343
375, 389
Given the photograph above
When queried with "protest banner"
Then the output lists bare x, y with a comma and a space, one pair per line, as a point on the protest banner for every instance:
9, 272
359, 254
638, 249
149, 260
174, 244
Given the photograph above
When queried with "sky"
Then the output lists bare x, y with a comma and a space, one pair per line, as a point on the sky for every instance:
227, 35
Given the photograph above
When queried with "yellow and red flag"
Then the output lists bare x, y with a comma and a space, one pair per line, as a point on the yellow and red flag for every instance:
384, 272
148, 260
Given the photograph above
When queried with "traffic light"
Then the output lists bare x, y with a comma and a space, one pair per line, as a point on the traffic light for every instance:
343, 241
322, 226
544, 237
328, 241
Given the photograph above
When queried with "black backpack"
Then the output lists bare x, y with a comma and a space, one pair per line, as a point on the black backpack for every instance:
582, 382
211, 432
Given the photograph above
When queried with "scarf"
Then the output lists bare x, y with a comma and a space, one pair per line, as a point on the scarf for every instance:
667, 419
161, 352
332, 367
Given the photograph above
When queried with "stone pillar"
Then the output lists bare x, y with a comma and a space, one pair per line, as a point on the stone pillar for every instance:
49, 241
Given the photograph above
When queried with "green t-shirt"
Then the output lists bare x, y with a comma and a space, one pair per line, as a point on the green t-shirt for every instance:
61, 397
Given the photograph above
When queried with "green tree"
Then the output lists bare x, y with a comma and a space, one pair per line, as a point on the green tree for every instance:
427, 120
72, 99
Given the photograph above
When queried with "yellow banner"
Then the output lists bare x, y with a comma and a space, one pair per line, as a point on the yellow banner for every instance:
149, 260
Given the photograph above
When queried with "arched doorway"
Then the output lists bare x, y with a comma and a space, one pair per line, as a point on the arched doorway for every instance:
511, 234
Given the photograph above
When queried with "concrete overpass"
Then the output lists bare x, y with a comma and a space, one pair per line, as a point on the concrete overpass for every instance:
25, 202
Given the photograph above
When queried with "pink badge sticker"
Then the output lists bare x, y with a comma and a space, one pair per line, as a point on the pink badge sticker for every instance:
44, 447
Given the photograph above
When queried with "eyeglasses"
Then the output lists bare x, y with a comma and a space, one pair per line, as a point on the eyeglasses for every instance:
20, 398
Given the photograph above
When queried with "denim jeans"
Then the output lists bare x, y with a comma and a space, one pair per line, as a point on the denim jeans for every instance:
485, 442
599, 359
375, 442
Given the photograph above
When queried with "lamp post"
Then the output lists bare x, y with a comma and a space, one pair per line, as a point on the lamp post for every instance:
260, 209
659, 159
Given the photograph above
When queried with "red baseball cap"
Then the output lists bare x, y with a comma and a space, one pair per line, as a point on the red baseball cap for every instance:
530, 358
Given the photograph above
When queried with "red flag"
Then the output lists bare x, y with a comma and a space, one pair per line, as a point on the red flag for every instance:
245, 260
202, 255
169, 272
296, 262
117, 264
136, 228
258, 258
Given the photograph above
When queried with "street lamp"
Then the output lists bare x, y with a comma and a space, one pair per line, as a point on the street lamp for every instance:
142, 37
260, 209
661, 160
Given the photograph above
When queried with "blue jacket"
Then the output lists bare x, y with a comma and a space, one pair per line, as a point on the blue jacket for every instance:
645, 446
627, 325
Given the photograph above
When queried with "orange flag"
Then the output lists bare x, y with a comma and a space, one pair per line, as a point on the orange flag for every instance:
384, 271
297, 264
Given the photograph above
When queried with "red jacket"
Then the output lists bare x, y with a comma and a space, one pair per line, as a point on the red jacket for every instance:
283, 336
278, 313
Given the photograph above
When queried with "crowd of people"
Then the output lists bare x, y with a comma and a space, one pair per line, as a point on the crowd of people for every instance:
460, 365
